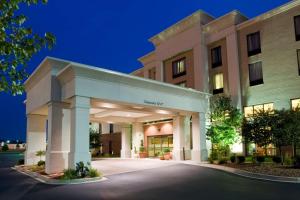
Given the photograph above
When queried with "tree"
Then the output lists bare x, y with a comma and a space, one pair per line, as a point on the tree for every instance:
40, 153
225, 123
17, 45
5, 147
257, 129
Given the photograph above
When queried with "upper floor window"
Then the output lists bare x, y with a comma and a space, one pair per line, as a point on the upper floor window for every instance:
253, 43
297, 27
111, 128
295, 104
179, 67
181, 84
152, 73
255, 74
216, 57
218, 84
249, 111
298, 58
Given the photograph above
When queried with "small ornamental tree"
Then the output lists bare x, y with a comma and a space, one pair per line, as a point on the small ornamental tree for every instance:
18, 44
40, 153
225, 124
5, 147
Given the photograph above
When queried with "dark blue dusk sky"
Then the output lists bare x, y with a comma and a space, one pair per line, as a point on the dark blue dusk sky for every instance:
110, 34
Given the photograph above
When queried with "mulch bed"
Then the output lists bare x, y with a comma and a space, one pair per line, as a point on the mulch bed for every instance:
267, 168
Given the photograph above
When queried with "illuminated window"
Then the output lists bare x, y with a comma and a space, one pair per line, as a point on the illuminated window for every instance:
255, 74
179, 68
111, 128
297, 27
152, 73
216, 57
182, 84
251, 110
298, 58
253, 43
295, 103
218, 84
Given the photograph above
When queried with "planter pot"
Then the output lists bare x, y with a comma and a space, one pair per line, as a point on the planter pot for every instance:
143, 154
161, 157
167, 156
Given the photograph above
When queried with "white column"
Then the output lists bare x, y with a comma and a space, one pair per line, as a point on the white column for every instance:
137, 136
199, 152
178, 137
187, 137
234, 81
125, 139
35, 137
79, 141
58, 146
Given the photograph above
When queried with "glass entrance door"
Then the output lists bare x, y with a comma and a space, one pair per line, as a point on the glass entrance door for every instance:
157, 144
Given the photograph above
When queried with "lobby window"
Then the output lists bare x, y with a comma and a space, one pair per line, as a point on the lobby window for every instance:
298, 58
255, 73
152, 73
249, 111
218, 86
216, 57
253, 43
111, 128
297, 27
181, 84
179, 67
295, 103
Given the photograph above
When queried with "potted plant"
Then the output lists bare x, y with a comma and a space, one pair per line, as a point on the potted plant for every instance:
167, 154
161, 156
142, 152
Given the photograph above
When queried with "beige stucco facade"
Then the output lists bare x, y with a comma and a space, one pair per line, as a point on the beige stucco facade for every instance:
199, 33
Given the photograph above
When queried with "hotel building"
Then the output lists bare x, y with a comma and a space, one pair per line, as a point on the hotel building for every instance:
164, 103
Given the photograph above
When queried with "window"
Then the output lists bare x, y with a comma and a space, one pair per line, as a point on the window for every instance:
295, 103
152, 73
179, 68
298, 58
253, 43
255, 74
251, 110
216, 57
218, 83
181, 84
111, 128
297, 27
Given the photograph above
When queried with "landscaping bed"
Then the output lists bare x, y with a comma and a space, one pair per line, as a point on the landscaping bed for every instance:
267, 168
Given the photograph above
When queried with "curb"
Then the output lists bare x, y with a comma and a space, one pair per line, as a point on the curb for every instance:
45, 180
243, 173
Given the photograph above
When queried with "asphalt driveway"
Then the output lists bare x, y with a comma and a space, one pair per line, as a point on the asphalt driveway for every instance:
178, 181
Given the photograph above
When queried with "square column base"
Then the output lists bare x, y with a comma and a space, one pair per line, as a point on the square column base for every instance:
177, 154
30, 158
56, 161
199, 155
125, 153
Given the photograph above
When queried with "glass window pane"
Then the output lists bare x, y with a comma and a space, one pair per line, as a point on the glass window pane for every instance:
255, 73
295, 103
269, 107
218, 81
248, 111
297, 27
258, 108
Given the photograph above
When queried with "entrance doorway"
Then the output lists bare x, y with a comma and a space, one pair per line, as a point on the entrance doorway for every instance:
157, 144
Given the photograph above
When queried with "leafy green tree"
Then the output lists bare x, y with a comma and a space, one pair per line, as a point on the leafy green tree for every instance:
18, 44
257, 129
5, 147
293, 127
225, 124
40, 153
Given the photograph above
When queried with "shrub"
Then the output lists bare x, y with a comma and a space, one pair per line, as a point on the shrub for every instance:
233, 158
240, 159
276, 159
260, 159
297, 162
94, 173
288, 161
223, 161
20, 162
214, 155
166, 150
142, 149
69, 174
5, 147
41, 162
81, 169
